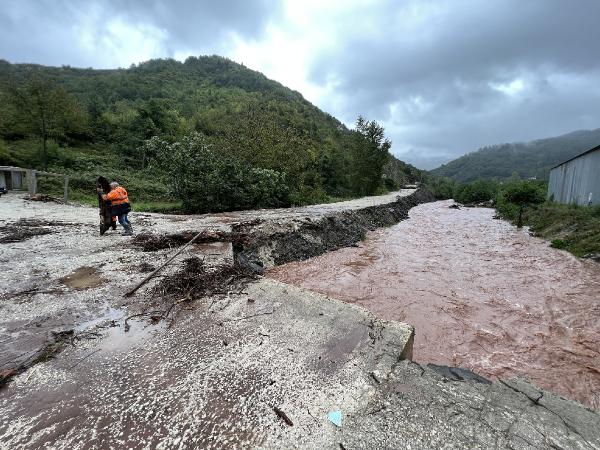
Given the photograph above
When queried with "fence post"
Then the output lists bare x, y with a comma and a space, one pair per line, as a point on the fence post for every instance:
29, 176
33, 182
66, 188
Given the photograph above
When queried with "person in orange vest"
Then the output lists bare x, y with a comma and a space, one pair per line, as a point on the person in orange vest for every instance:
120, 206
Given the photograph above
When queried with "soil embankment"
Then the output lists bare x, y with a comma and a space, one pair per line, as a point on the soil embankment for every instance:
272, 243
480, 293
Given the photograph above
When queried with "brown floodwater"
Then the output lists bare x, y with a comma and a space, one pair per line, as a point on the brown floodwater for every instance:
481, 295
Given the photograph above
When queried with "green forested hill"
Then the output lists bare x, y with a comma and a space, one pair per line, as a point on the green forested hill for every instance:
530, 159
245, 117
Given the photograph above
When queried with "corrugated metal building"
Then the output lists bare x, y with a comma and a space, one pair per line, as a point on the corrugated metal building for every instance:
577, 180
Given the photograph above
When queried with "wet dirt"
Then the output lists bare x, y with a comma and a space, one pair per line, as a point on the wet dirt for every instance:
21, 231
149, 242
83, 278
481, 295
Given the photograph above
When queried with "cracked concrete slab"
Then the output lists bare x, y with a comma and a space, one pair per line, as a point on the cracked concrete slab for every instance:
419, 408
212, 379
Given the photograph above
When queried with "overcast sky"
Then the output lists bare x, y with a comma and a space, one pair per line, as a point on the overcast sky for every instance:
443, 77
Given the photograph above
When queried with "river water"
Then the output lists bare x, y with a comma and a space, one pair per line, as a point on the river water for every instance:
481, 295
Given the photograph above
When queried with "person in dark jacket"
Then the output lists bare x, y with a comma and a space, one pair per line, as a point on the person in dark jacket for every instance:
120, 206
107, 220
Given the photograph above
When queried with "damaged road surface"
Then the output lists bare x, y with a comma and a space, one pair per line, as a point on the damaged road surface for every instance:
233, 360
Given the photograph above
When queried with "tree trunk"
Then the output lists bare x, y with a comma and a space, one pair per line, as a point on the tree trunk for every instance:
520, 220
44, 142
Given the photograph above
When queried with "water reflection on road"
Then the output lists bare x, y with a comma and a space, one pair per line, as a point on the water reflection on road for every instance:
480, 293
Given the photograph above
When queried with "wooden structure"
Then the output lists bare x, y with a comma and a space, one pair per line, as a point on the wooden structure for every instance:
12, 179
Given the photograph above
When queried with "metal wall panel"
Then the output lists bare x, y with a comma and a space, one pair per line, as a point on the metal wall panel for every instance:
575, 180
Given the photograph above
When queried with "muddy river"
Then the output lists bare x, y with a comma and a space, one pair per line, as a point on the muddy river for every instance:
480, 293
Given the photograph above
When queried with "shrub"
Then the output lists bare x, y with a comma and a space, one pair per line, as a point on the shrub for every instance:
476, 191
558, 243
205, 178
516, 195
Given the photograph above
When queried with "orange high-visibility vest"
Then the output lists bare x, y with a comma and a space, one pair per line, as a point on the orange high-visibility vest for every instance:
118, 196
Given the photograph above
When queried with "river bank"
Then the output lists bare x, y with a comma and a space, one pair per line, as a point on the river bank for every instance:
480, 293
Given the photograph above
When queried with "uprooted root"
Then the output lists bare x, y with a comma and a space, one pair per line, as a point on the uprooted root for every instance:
196, 280
24, 229
45, 198
149, 242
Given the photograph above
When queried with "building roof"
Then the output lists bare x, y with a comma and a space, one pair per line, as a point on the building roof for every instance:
577, 156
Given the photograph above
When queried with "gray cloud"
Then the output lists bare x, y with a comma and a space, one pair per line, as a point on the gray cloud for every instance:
443, 77
198, 23
443, 87
104, 33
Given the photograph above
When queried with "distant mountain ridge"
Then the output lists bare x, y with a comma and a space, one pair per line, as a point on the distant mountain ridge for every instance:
528, 159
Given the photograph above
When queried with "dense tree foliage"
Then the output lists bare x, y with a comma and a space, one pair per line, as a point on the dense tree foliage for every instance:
371, 149
43, 109
250, 121
206, 178
530, 159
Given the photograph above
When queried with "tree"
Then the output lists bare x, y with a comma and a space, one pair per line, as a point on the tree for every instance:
370, 151
205, 178
523, 193
46, 110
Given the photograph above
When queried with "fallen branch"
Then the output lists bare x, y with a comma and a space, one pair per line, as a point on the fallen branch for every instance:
195, 281
127, 326
186, 299
33, 291
85, 357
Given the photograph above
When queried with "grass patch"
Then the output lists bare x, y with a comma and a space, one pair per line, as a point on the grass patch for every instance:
572, 228
164, 207
84, 164
558, 243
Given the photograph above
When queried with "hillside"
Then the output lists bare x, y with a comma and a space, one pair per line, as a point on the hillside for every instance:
251, 122
529, 159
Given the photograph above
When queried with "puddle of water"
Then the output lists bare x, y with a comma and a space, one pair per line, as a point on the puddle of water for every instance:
480, 293
83, 278
108, 315
117, 339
